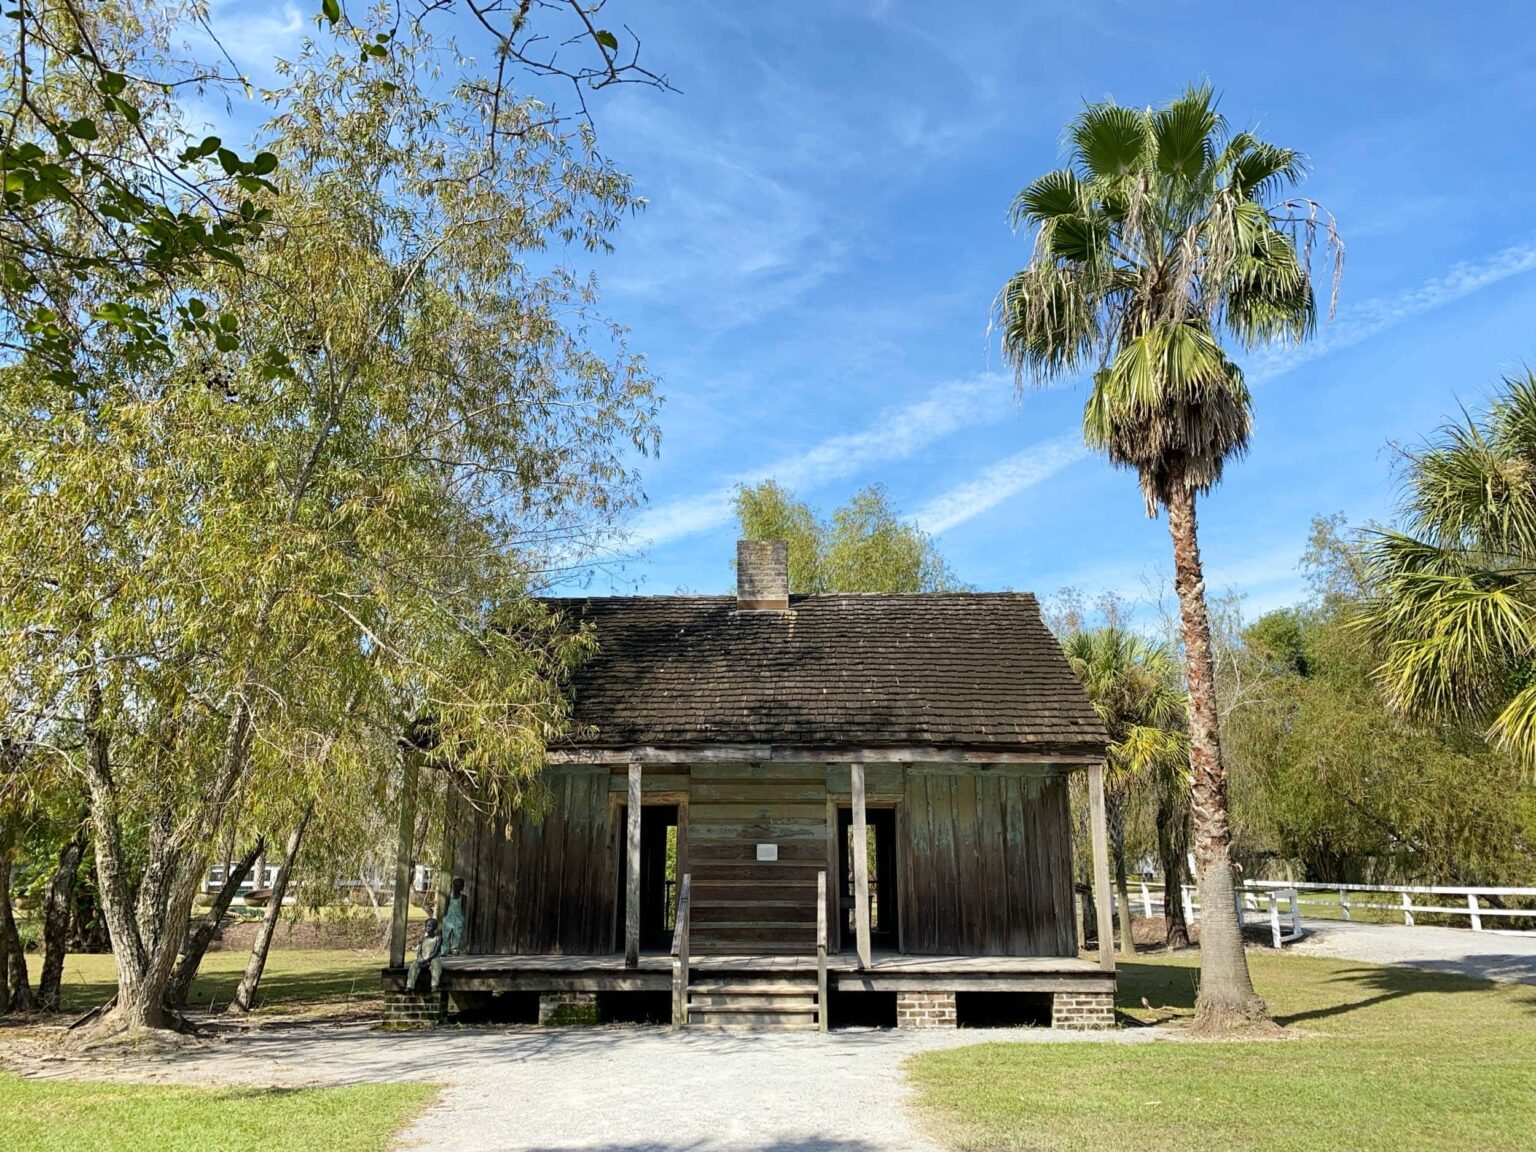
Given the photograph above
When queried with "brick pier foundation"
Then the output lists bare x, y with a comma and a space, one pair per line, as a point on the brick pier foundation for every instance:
415, 1008
1083, 1011
925, 1010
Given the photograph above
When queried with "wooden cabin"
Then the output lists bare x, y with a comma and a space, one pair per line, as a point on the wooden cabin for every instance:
783, 810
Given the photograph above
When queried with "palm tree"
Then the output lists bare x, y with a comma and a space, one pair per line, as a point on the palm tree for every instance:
1131, 683
1161, 236
1452, 599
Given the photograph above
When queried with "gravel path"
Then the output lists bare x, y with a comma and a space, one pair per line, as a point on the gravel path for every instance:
1482, 955
606, 1089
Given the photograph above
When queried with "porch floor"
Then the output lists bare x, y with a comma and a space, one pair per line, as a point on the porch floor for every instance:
774, 962
888, 971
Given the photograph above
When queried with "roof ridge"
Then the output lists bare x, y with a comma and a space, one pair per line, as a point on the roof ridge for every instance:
804, 596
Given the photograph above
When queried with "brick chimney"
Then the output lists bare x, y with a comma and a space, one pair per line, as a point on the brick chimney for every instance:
762, 575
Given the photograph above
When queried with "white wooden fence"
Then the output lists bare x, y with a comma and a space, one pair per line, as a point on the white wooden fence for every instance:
1347, 899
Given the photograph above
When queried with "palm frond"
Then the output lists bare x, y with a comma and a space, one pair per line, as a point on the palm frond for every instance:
1055, 194
1157, 241
1453, 631
1132, 684
1185, 133
1514, 729
1258, 171
1452, 599
1110, 141
1048, 320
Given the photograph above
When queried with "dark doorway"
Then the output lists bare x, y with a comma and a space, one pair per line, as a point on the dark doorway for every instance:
658, 875
862, 1009
880, 847
1003, 1009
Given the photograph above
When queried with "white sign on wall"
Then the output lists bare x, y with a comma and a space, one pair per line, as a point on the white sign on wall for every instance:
767, 851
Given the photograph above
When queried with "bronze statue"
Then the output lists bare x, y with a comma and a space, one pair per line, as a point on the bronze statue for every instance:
430, 952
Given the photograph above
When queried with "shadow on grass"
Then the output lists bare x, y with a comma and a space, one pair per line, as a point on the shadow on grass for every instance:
1172, 987
215, 989
1386, 983
1164, 986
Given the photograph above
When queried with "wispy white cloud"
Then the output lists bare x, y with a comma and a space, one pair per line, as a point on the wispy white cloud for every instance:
902, 432
735, 232
1022, 470
1361, 322
894, 435
1000, 481
256, 32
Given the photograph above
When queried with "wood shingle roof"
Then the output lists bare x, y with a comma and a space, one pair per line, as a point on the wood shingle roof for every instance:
962, 670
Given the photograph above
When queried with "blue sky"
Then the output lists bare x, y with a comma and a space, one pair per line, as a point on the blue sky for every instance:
825, 233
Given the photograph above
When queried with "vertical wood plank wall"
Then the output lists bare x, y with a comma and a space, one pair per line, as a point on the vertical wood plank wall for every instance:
742, 905
984, 860
549, 887
987, 865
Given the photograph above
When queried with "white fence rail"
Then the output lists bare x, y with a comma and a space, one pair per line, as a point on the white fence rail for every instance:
1345, 900
1275, 896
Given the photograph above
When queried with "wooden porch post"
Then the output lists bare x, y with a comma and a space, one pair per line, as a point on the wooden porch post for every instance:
404, 865
860, 867
1102, 894
632, 887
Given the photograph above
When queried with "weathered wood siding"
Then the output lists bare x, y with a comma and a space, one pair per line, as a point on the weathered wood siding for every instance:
984, 859
741, 905
547, 887
986, 864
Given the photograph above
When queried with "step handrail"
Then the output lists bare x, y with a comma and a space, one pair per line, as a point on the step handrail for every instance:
680, 953
821, 951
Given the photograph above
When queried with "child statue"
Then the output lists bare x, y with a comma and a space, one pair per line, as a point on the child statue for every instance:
430, 952
454, 917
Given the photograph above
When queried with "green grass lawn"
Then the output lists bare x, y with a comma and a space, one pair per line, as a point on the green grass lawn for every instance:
1394, 1059
292, 976
55, 1116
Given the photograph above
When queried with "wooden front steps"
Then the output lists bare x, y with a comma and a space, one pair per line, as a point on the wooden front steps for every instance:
771, 1000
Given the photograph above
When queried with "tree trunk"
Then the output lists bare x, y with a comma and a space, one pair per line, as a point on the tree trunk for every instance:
1114, 808
1172, 846
57, 914
16, 987
147, 926
201, 935
259, 869
5, 916
245, 995
1226, 1000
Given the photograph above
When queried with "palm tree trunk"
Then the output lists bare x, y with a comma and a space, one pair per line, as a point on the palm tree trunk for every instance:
1226, 1000
1172, 846
1115, 812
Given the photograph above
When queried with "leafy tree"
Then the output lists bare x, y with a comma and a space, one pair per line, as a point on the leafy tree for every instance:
113, 213
1133, 687
1162, 236
864, 547
1333, 779
203, 564
569, 41
1452, 597
42, 844
111, 210
768, 511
